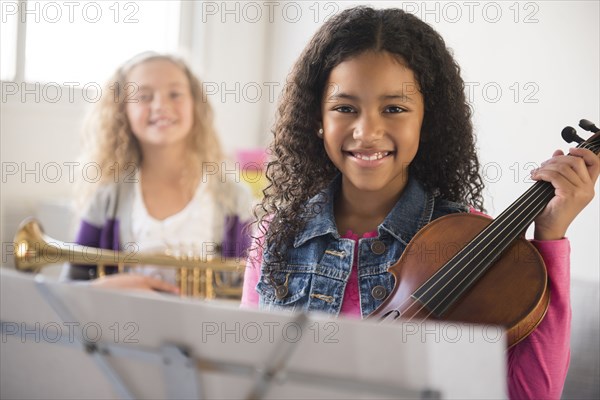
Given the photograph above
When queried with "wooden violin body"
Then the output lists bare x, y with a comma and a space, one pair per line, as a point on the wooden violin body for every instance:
468, 268
512, 293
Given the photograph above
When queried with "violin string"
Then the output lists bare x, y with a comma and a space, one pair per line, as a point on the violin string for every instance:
546, 189
530, 214
514, 208
482, 236
533, 192
475, 272
456, 265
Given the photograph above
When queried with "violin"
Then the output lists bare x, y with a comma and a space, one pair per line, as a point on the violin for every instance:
469, 268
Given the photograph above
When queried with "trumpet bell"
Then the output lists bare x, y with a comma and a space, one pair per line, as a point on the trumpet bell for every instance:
27, 242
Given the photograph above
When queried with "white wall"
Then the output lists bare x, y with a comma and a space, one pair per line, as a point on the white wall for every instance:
230, 58
39, 143
556, 56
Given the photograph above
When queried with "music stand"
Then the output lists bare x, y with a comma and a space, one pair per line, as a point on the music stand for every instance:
71, 341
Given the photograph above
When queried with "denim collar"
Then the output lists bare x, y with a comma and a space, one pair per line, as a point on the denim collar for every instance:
412, 211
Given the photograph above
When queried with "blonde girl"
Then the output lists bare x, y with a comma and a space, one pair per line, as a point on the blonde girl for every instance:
153, 138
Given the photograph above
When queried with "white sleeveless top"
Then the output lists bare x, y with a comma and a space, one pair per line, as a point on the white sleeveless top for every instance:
188, 232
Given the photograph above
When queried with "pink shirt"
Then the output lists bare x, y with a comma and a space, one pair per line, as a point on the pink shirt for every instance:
351, 302
537, 366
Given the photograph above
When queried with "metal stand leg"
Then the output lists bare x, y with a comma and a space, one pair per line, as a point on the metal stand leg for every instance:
276, 363
99, 358
181, 375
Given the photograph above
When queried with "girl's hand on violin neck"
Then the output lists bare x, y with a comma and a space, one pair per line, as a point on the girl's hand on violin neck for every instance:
573, 177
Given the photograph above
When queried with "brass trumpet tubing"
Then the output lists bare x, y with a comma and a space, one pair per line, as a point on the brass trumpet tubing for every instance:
183, 282
195, 276
208, 280
34, 249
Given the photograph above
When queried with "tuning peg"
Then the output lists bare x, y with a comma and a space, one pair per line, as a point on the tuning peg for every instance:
569, 134
588, 126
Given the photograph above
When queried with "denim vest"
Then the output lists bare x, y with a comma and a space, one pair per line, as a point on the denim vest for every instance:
317, 267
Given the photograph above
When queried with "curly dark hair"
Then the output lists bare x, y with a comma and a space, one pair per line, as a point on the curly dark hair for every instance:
446, 162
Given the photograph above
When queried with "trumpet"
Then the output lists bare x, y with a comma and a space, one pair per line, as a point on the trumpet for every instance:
196, 276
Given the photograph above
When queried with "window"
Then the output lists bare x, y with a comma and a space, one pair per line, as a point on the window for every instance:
83, 41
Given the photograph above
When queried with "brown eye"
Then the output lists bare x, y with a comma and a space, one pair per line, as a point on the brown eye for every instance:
344, 109
394, 110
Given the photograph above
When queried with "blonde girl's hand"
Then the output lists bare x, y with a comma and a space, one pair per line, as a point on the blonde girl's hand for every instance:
573, 177
134, 282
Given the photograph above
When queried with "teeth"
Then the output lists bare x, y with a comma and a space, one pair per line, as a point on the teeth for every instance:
372, 157
162, 121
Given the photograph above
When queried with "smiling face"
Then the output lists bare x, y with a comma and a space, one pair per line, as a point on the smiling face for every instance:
159, 103
372, 115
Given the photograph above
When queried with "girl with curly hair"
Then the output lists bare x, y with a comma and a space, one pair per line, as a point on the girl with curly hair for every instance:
373, 141
152, 137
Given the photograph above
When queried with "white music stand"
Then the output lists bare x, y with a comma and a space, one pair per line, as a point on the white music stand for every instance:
70, 341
